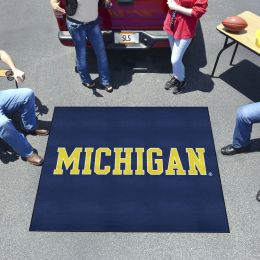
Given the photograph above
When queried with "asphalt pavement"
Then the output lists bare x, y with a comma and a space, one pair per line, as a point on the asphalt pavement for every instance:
28, 31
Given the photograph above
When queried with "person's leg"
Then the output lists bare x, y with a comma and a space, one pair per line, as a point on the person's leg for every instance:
78, 34
27, 111
14, 138
178, 50
179, 47
170, 83
171, 40
20, 101
96, 38
246, 116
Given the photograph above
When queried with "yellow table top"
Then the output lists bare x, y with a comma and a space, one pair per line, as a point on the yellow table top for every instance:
246, 37
2, 72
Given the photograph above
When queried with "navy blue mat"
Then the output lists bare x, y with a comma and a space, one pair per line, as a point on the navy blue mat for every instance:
169, 182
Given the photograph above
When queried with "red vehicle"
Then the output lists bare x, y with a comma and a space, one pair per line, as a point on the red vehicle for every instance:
133, 24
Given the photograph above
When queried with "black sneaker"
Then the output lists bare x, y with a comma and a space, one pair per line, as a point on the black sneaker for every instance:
231, 150
170, 84
178, 86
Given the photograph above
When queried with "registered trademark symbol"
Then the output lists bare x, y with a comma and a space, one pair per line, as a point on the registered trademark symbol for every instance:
210, 174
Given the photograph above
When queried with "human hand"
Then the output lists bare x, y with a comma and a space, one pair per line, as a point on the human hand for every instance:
58, 11
108, 3
18, 75
172, 5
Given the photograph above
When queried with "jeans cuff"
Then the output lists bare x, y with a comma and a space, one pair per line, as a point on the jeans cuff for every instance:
28, 155
238, 146
105, 83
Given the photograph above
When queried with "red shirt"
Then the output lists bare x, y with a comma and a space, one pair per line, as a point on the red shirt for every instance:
185, 26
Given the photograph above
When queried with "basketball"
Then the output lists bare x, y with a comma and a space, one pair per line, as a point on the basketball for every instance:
234, 23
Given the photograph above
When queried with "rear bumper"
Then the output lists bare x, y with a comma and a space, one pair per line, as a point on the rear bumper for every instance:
148, 40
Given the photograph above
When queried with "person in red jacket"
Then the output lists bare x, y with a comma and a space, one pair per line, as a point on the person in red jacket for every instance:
180, 24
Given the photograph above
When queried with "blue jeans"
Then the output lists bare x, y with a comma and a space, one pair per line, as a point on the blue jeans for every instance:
80, 33
246, 116
19, 101
179, 47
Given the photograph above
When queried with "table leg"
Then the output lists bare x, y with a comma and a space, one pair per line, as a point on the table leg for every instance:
234, 53
226, 45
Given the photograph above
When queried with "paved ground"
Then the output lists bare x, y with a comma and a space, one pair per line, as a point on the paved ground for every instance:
28, 31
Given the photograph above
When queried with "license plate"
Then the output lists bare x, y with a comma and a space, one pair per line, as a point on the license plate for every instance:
126, 38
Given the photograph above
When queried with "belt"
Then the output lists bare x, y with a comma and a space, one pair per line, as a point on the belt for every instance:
78, 22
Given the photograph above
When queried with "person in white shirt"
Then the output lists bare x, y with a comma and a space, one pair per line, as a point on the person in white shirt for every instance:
83, 25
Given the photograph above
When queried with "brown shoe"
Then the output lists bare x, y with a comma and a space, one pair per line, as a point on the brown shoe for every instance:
41, 132
34, 159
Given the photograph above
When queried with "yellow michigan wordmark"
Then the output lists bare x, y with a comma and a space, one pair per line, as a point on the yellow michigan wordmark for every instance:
149, 160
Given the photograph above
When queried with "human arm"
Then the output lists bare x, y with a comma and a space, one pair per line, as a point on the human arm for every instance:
197, 10
178, 8
18, 75
55, 5
107, 3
